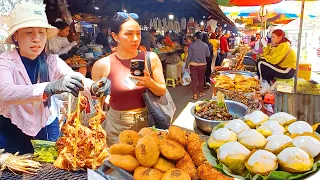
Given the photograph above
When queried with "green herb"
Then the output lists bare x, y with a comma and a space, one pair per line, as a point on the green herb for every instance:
154, 128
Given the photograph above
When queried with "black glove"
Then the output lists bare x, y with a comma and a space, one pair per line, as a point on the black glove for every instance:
71, 84
101, 87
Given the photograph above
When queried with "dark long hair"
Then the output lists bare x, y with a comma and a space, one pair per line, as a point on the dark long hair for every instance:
115, 27
44, 73
61, 25
205, 38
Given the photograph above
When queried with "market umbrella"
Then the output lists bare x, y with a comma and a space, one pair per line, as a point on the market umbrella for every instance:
246, 2
272, 11
276, 20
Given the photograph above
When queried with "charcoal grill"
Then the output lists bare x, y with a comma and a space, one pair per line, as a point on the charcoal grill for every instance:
47, 172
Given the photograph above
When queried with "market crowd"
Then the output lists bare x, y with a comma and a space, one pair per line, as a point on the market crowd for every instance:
34, 80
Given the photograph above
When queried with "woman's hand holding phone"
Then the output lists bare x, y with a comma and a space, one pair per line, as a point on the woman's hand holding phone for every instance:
145, 80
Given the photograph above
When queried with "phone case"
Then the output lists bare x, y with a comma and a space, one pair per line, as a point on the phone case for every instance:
137, 67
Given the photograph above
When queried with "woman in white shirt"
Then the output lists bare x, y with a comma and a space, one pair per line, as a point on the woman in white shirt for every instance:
60, 44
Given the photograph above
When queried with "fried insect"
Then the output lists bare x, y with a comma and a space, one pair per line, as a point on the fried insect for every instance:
142, 173
127, 162
172, 150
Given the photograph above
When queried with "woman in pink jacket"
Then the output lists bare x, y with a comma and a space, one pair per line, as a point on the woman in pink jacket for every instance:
28, 77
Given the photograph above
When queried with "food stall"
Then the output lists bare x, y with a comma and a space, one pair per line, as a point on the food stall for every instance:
192, 147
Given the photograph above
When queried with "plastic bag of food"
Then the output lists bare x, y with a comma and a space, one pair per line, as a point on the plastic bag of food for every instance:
265, 87
172, 71
44, 151
186, 78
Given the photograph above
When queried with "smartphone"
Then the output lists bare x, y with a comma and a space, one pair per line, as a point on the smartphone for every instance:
137, 67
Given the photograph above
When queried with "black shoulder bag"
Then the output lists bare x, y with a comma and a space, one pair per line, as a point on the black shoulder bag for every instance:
160, 108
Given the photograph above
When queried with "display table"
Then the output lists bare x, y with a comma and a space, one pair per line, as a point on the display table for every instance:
185, 120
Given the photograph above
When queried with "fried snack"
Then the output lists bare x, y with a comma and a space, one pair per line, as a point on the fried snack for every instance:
148, 131
178, 135
76, 61
127, 162
163, 135
238, 78
239, 83
89, 143
172, 150
128, 136
207, 172
122, 149
142, 173
194, 148
164, 164
176, 174
147, 151
186, 164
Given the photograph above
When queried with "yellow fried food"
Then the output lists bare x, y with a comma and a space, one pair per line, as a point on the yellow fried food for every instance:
207, 172
164, 164
172, 150
122, 149
186, 164
127, 162
147, 151
128, 136
142, 173
178, 135
147, 131
238, 78
194, 148
176, 174
163, 135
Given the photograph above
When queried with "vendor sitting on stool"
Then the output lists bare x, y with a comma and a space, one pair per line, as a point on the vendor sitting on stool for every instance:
279, 59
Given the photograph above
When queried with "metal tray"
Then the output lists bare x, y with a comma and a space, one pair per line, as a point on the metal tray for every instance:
108, 171
245, 73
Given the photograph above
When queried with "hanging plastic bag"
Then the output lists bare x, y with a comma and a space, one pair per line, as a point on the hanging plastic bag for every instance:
186, 78
265, 87
66, 15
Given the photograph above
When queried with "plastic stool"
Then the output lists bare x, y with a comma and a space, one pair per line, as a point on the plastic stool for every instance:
269, 98
171, 82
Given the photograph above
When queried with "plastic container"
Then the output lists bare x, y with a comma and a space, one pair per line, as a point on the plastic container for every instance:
96, 49
305, 71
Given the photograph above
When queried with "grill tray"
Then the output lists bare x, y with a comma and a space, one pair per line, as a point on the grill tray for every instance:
47, 172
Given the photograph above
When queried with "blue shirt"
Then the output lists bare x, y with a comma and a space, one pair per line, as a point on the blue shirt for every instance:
32, 67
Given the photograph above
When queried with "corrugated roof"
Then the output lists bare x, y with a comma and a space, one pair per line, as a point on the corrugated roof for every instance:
147, 9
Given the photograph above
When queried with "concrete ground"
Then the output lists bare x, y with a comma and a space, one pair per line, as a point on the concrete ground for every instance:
182, 95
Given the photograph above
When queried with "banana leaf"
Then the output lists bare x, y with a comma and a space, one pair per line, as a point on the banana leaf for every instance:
211, 157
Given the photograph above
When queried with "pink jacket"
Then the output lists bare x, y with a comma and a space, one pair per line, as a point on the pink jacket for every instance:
22, 101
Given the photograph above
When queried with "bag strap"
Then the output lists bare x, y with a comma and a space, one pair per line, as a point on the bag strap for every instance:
285, 57
149, 69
